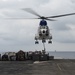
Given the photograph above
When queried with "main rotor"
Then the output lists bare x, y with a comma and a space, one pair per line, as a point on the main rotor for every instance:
50, 18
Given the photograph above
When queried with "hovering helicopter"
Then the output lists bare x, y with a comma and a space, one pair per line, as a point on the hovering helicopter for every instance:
43, 32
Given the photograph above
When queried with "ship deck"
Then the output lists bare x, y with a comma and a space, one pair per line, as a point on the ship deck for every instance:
52, 67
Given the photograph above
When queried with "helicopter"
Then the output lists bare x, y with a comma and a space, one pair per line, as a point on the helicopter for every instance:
43, 32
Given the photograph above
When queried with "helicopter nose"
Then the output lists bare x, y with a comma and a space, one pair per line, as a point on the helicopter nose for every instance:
43, 31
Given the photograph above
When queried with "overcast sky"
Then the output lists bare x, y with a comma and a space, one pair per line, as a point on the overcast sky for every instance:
19, 34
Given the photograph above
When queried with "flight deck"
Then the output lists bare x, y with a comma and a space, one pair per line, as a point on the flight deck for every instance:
51, 67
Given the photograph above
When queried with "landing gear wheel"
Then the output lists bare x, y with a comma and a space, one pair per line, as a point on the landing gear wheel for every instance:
36, 42
49, 41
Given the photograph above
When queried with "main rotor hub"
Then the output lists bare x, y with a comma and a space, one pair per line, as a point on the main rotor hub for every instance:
43, 17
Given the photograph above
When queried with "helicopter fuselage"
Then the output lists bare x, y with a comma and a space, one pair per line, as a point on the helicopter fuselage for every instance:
43, 33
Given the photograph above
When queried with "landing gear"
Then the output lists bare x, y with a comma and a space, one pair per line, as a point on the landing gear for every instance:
50, 37
43, 41
49, 41
36, 42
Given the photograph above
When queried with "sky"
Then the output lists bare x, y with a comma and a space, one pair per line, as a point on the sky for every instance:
18, 34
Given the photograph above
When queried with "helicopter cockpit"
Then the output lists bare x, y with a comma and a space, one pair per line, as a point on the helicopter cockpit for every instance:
43, 23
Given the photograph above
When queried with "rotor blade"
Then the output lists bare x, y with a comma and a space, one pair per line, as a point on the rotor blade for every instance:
20, 18
31, 11
61, 15
50, 19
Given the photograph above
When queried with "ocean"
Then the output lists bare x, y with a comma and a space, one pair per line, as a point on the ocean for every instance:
62, 54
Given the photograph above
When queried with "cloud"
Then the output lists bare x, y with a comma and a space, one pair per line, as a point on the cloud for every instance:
20, 33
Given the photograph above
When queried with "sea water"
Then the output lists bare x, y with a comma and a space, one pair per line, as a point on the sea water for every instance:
62, 54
